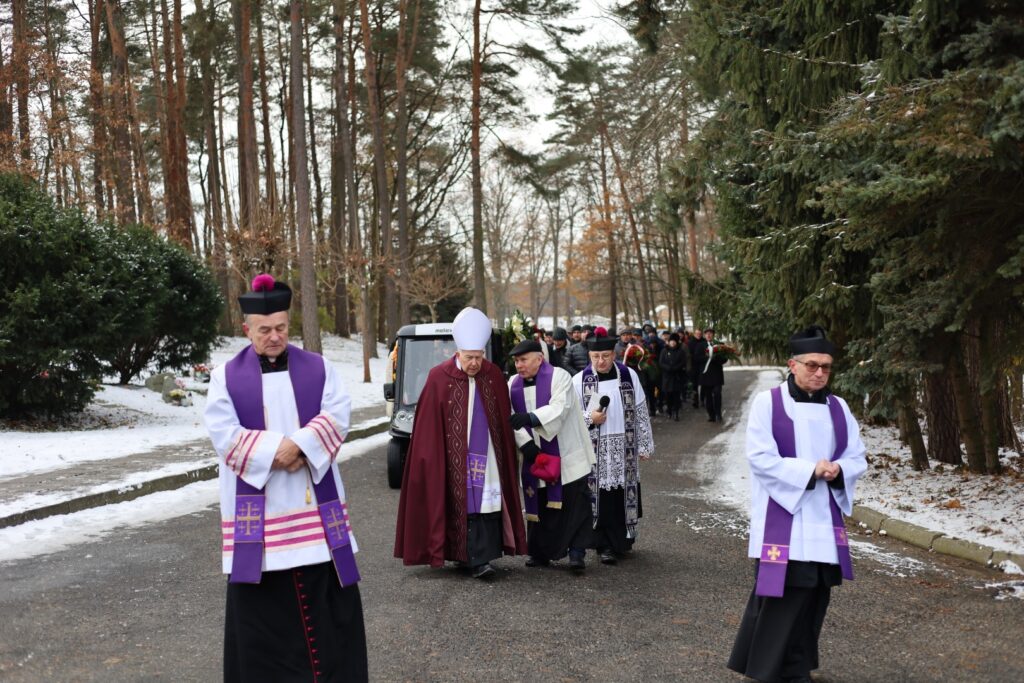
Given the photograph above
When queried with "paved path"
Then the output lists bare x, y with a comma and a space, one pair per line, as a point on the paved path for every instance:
147, 604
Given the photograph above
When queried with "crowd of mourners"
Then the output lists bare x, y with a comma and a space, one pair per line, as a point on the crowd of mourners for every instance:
675, 367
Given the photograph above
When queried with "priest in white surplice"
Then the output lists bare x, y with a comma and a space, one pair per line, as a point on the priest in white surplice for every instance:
805, 455
615, 411
277, 416
557, 458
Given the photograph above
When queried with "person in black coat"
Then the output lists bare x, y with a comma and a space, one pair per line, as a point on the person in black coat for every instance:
673, 362
712, 377
696, 344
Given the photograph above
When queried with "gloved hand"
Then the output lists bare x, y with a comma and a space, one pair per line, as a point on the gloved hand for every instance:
520, 420
530, 452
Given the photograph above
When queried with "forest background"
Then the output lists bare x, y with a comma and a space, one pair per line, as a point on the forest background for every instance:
754, 165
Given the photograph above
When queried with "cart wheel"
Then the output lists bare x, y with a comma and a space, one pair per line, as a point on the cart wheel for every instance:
396, 462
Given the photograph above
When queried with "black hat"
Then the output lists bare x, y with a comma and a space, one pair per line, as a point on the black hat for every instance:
560, 334
577, 328
266, 297
674, 337
811, 340
601, 342
526, 346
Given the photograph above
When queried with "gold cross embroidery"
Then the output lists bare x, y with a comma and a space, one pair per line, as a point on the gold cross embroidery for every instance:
476, 471
530, 492
249, 518
774, 553
335, 523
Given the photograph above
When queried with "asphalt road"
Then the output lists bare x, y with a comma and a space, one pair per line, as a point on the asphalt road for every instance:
147, 604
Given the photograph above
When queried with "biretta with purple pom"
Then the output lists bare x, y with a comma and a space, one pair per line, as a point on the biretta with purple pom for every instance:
267, 296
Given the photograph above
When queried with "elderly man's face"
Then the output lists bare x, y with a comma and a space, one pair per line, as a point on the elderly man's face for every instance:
811, 370
528, 364
471, 361
602, 360
268, 333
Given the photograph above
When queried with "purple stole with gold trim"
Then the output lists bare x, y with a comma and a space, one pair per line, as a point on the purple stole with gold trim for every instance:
517, 395
778, 524
245, 386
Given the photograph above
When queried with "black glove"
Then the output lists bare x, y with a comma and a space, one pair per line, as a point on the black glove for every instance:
530, 452
520, 420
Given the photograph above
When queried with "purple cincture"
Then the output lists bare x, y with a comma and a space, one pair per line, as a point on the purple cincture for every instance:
518, 398
245, 386
778, 524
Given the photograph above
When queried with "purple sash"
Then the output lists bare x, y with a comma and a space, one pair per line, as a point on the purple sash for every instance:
476, 456
245, 386
778, 525
530, 482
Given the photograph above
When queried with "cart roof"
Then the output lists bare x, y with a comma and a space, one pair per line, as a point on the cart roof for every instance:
427, 330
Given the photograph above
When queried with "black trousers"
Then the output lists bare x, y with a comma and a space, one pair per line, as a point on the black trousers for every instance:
295, 626
711, 397
483, 538
559, 530
778, 637
609, 532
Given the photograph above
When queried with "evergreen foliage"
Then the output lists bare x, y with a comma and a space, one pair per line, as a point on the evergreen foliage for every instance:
83, 300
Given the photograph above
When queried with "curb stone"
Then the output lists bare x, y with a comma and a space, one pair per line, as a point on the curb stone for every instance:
144, 488
934, 541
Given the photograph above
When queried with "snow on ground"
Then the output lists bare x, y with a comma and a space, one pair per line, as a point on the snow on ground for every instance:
977, 508
125, 420
980, 508
51, 534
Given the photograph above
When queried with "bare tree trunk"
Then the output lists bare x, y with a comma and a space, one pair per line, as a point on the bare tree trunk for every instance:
380, 166
606, 214
689, 215
248, 174
307, 258
911, 430
19, 65
340, 170
218, 248
405, 49
479, 282
968, 418
122, 149
941, 414
318, 203
6, 108
269, 168
177, 195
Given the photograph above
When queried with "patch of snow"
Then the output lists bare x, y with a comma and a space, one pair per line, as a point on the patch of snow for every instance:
1006, 590
978, 508
56, 533
126, 420
893, 564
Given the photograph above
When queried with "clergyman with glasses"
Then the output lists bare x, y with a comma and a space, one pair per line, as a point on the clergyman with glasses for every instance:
806, 455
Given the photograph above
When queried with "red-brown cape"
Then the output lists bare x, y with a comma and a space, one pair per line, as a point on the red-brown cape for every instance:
432, 508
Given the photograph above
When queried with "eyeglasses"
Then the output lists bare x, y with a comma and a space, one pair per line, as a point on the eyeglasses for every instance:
814, 367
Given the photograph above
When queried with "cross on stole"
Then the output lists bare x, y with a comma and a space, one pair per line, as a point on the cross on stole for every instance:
250, 517
476, 471
774, 553
335, 523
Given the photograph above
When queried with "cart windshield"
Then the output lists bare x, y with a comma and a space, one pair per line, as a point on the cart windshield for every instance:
418, 356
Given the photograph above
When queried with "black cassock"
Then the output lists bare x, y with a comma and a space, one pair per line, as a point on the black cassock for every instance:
295, 625
778, 637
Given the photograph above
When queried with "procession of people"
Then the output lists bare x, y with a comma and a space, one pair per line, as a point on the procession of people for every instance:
544, 465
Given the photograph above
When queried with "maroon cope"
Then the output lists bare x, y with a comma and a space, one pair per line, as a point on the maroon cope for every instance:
432, 510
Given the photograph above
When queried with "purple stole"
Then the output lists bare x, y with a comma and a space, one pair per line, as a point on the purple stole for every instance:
245, 386
630, 491
778, 524
530, 482
476, 455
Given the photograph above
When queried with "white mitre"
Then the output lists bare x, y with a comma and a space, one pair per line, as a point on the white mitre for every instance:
471, 329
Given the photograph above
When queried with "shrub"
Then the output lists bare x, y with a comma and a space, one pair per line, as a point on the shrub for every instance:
81, 300
52, 312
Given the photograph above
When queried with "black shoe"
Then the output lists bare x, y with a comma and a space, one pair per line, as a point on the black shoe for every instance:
676, 417
533, 562
483, 571
718, 418
576, 563
711, 419
608, 557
